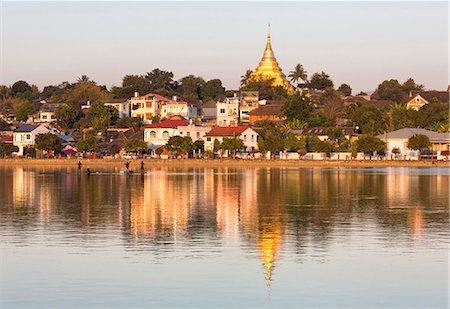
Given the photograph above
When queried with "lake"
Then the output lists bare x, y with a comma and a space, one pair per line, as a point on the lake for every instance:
224, 237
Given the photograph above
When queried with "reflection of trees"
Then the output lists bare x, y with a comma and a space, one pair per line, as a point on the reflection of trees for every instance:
266, 210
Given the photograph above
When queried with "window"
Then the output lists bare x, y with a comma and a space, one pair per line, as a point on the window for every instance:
208, 139
152, 134
197, 134
245, 137
417, 100
28, 136
148, 104
222, 110
253, 138
44, 116
181, 133
166, 135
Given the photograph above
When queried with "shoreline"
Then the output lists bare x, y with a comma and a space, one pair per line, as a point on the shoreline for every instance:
199, 163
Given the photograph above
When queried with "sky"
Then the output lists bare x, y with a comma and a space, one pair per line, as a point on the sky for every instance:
358, 43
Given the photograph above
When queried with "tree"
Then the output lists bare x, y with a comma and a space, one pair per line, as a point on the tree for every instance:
299, 73
85, 91
370, 144
232, 145
213, 90
7, 149
292, 143
129, 122
5, 92
66, 116
20, 87
191, 88
410, 85
314, 144
135, 145
246, 77
362, 93
345, 89
392, 90
400, 117
99, 117
83, 79
332, 103
161, 81
48, 142
419, 142
297, 107
320, 81
262, 84
368, 118
180, 145
433, 115
4, 126
24, 110
88, 144
132, 84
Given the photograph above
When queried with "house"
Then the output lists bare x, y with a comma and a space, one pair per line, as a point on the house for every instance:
227, 112
197, 133
147, 106
270, 112
208, 110
417, 99
322, 132
176, 107
245, 133
122, 106
399, 139
25, 135
47, 112
159, 133
249, 100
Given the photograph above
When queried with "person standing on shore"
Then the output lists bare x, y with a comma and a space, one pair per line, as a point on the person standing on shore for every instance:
127, 166
142, 167
79, 166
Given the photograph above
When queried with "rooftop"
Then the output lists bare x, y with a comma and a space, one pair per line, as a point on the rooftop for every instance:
408, 132
227, 131
27, 128
168, 124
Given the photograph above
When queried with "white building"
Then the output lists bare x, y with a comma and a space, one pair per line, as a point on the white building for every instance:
399, 139
25, 135
122, 106
176, 107
228, 112
245, 133
47, 112
197, 133
159, 133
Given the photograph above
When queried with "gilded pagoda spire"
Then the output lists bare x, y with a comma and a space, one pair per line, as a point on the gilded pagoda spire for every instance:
268, 67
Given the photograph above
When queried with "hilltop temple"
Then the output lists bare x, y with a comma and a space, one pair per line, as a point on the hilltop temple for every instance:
268, 68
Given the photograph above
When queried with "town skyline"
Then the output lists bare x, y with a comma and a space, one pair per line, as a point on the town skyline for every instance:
185, 54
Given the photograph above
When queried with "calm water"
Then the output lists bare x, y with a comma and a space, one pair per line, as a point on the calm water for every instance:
234, 238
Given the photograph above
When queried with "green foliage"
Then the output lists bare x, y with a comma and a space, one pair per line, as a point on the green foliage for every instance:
299, 73
24, 110
48, 142
7, 149
345, 89
368, 118
89, 143
320, 81
83, 92
261, 84
396, 150
213, 90
400, 117
392, 90
30, 151
4, 126
419, 142
66, 116
271, 142
332, 103
292, 143
217, 145
135, 145
314, 144
362, 93
354, 149
180, 145
298, 107
20, 87
190, 88
433, 115
369, 144
161, 82
129, 122
99, 117
232, 145
132, 84
410, 85
246, 78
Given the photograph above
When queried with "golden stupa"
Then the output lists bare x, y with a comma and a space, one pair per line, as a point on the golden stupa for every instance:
268, 68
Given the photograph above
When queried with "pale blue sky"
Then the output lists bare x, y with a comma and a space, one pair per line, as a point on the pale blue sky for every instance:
360, 43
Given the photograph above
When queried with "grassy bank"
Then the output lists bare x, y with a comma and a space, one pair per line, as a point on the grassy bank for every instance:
134, 164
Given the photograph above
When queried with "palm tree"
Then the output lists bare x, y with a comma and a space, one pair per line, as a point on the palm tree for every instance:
297, 74
246, 77
83, 79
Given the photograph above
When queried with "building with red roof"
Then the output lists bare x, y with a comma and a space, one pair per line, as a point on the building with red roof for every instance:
245, 133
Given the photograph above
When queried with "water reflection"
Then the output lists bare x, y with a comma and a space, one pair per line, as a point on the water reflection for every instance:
267, 213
